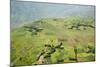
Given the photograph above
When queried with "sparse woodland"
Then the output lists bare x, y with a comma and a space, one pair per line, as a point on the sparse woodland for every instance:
53, 40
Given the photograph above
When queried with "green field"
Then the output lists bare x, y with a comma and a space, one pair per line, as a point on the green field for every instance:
76, 34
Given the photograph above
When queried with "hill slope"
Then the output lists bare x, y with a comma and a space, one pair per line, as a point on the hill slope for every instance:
29, 40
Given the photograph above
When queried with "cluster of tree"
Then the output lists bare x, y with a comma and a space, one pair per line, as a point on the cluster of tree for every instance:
44, 57
77, 26
91, 49
40, 21
33, 29
77, 22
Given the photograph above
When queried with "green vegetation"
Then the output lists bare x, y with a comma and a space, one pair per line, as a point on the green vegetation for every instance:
56, 40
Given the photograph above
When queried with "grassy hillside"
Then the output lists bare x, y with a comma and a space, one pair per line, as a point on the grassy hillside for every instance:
76, 35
